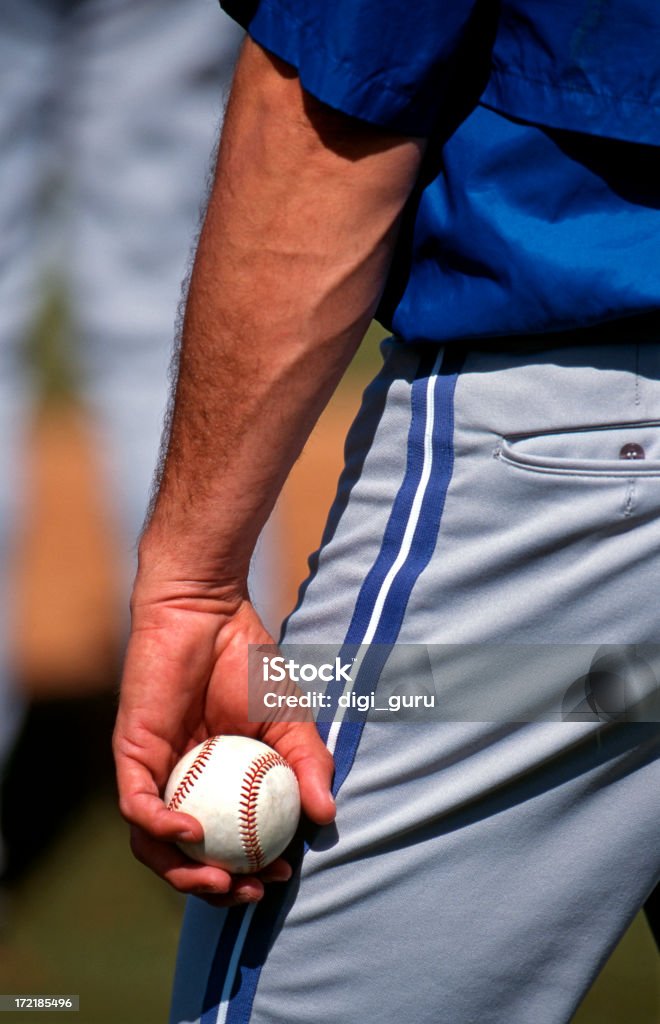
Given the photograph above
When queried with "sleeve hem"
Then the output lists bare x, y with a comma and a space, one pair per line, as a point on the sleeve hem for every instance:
332, 81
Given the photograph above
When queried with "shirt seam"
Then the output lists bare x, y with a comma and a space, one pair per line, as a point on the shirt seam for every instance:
561, 87
347, 66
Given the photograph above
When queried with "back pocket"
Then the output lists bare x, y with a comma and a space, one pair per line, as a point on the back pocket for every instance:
620, 449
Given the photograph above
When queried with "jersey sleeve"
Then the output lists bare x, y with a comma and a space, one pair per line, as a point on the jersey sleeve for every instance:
385, 61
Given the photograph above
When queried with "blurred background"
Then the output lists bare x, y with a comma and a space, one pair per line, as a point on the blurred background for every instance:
108, 114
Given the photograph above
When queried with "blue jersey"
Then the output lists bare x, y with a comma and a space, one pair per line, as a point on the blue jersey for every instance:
537, 207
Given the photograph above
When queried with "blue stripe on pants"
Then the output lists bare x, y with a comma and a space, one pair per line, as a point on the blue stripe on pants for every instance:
387, 630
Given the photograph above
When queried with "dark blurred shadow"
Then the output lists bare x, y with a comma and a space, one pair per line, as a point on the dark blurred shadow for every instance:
62, 758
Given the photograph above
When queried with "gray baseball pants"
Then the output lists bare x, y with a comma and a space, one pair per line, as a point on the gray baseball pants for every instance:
478, 870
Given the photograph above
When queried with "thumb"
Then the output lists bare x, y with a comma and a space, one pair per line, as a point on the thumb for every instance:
312, 762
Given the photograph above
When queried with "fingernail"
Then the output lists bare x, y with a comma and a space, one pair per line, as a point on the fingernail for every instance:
247, 896
186, 837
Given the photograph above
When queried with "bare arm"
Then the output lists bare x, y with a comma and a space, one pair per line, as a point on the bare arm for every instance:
292, 260
290, 267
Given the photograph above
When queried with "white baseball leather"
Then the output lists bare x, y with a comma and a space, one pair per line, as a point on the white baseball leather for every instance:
245, 796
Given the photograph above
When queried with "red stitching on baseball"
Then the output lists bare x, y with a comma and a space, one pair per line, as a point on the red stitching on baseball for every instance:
254, 776
193, 773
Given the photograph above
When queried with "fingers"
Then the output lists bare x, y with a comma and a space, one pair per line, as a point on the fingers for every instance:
278, 871
149, 813
305, 751
211, 884
170, 863
141, 805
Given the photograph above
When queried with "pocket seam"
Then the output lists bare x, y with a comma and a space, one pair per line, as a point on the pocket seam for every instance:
557, 466
612, 474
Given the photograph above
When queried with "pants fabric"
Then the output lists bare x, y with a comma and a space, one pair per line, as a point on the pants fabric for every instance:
109, 110
478, 870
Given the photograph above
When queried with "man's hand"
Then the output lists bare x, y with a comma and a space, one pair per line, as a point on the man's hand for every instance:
185, 680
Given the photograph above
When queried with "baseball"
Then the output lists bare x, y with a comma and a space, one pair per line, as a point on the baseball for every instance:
245, 796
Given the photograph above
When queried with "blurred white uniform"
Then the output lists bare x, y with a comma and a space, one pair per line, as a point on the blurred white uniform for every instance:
108, 114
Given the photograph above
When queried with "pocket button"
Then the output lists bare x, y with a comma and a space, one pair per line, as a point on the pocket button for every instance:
632, 451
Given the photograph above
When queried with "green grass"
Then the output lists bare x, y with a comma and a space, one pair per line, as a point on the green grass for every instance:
92, 921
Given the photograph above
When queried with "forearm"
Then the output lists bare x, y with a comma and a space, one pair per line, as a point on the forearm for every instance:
291, 263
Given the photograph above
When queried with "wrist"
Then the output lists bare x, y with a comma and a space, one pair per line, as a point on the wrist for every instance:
185, 566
